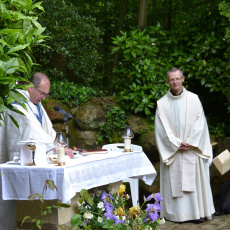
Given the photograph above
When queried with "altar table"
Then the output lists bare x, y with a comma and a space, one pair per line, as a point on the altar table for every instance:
18, 182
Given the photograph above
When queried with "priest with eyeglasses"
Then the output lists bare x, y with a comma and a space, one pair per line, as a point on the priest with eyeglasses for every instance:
34, 125
183, 142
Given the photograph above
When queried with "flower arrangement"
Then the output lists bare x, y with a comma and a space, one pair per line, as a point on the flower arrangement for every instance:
103, 210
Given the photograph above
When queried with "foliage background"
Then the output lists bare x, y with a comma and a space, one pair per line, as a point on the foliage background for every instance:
97, 48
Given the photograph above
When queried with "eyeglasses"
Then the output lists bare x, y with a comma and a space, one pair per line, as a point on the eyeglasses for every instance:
175, 80
42, 93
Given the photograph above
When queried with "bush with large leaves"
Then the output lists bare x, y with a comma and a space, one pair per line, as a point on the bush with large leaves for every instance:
19, 33
74, 44
146, 56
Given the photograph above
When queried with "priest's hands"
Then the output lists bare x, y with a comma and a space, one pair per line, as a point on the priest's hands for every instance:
184, 146
69, 152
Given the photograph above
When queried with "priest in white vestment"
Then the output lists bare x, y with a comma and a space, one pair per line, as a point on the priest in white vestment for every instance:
35, 125
185, 149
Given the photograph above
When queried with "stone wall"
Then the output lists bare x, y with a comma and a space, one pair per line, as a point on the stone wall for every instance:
90, 115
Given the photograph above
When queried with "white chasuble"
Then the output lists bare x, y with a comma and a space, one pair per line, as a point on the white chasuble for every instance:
184, 174
30, 128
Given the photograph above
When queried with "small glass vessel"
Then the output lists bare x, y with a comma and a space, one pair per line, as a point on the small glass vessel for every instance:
16, 157
60, 140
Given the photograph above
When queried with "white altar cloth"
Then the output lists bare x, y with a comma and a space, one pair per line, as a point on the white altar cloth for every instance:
18, 182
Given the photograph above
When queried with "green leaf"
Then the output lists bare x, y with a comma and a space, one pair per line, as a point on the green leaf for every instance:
202, 81
14, 121
75, 220
90, 201
3, 108
84, 194
63, 205
134, 54
17, 48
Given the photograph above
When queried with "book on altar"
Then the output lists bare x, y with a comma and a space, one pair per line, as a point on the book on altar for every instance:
222, 162
94, 151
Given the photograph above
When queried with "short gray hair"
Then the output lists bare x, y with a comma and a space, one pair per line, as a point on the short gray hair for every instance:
174, 69
37, 78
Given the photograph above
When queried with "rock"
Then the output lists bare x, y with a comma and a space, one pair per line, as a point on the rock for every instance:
55, 116
139, 125
83, 140
148, 143
90, 116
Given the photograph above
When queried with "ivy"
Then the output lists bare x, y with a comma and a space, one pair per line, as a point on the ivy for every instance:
73, 94
112, 129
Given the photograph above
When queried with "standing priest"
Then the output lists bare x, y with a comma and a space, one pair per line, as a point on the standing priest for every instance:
35, 125
183, 142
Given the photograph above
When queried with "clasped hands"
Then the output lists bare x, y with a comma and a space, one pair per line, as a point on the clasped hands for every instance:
184, 146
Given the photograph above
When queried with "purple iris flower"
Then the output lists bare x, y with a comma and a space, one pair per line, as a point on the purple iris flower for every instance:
111, 197
113, 217
149, 198
104, 195
158, 197
149, 208
157, 207
108, 207
153, 216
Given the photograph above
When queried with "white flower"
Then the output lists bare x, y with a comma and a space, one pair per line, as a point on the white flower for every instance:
100, 205
118, 217
127, 196
88, 215
123, 218
99, 219
80, 205
161, 221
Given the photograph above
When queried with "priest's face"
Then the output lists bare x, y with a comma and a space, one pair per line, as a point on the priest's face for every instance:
40, 93
175, 80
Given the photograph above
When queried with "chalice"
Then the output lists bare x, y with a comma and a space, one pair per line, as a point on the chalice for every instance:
33, 148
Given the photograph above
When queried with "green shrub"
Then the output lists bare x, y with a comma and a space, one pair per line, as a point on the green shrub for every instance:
71, 93
74, 44
20, 32
113, 128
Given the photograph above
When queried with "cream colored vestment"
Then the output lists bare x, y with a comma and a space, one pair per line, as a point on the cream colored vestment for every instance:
29, 129
185, 184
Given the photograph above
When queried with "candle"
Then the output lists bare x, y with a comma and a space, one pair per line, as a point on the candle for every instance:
60, 155
127, 141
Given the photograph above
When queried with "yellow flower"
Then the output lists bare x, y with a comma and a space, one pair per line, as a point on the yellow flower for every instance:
134, 210
120, 211
121, 189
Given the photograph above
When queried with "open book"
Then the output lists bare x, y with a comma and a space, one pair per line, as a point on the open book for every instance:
94, 151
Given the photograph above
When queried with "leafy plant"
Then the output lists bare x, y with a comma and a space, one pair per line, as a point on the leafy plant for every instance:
137, 73
71, 93
74, 45
114, 125
48, 184
19, 33
109, 211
